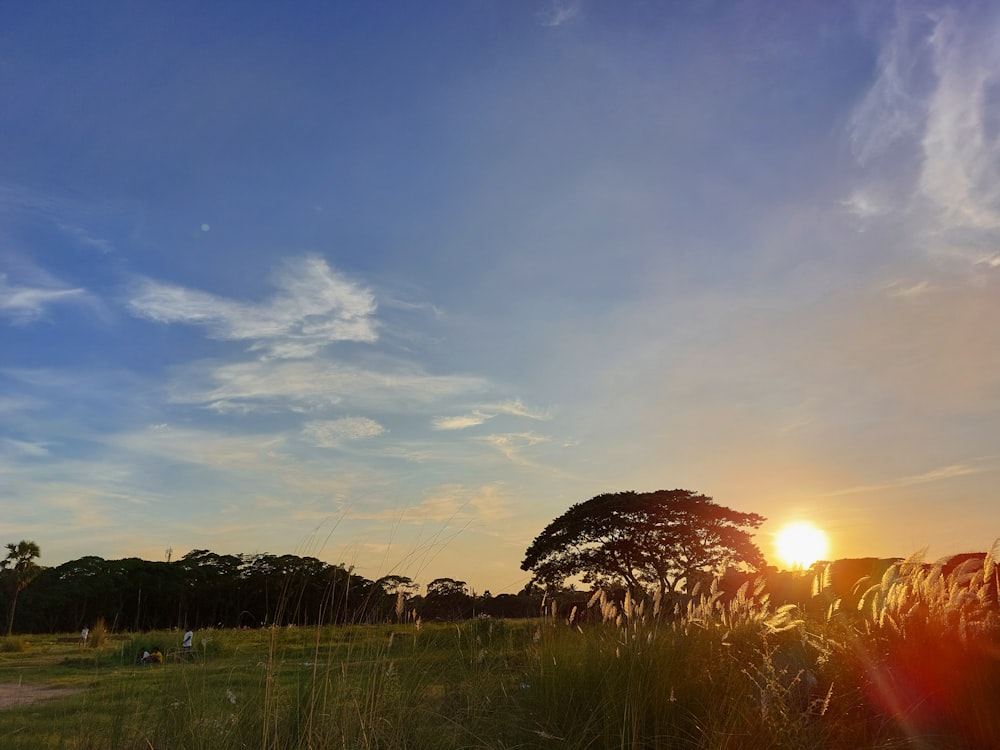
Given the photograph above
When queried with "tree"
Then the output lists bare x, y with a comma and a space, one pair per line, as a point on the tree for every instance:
20, 561
390, 595
643, 539
395, 584
446, 599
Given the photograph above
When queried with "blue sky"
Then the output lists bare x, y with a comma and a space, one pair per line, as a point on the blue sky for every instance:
395, 285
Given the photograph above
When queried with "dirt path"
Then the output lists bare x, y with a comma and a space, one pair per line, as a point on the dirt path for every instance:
12, 694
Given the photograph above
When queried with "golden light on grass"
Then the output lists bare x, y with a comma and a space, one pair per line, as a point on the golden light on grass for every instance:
800, 544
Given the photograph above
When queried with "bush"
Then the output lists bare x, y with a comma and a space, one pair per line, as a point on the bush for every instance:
98, 634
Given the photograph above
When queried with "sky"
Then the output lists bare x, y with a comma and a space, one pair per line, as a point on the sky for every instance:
394, 284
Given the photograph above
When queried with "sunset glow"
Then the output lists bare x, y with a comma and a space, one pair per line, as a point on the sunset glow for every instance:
801, 544
393, 285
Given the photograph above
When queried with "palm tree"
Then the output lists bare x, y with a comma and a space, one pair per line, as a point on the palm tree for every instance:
20, 561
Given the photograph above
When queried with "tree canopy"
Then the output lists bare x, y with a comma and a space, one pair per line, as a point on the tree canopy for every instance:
205, 589
20, 568
643, 539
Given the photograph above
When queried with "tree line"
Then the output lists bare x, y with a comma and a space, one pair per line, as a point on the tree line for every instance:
664, 541
205, 589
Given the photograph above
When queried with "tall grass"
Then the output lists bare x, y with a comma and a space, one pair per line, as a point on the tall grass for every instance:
712, 672
721, 674
923, 650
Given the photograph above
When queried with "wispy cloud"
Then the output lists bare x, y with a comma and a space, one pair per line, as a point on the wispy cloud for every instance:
485, 412
18, 199
934, 104
24, 304
22, 448
310, 384
11, 404
518, 409
449, 503
905, 289
513, 444
558, 12
892, 109
331, 433
313, 307
84, 237
462, 422
66, 215
960, 153
865, 204
204, 447
88, 494
936, 475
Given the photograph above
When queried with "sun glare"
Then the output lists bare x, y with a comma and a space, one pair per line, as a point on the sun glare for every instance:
801, 544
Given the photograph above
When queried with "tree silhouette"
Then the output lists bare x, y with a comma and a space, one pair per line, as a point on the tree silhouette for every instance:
446, 599
643, 539
20, 566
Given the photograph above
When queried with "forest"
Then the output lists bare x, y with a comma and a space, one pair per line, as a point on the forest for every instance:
204, 589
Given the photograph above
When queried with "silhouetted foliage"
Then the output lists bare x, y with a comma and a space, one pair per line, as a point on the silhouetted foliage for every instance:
643, 539
19, 569
446, 599
205, 589
202, 589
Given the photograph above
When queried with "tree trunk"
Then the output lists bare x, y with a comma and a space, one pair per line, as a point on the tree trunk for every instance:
13, 606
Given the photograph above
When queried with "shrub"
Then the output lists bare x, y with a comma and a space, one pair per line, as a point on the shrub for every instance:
98, 634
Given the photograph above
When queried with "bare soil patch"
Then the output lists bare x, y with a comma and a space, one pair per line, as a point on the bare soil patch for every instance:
13, 694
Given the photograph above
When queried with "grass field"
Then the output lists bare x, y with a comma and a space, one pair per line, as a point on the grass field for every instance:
735, 675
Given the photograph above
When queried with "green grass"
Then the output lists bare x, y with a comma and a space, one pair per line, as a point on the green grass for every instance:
364, 686
733, 676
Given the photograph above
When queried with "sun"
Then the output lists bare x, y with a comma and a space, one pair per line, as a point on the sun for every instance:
801, 544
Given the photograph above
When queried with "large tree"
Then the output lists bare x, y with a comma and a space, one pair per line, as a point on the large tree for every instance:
643, 539
19, 564
446, 599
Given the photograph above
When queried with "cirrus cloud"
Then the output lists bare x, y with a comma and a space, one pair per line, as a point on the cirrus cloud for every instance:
303, 385
24, 304
928, 129
483, 413
313, 307
331, 433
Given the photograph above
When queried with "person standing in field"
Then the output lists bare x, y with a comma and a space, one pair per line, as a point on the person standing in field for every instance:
188, 642
84, 634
